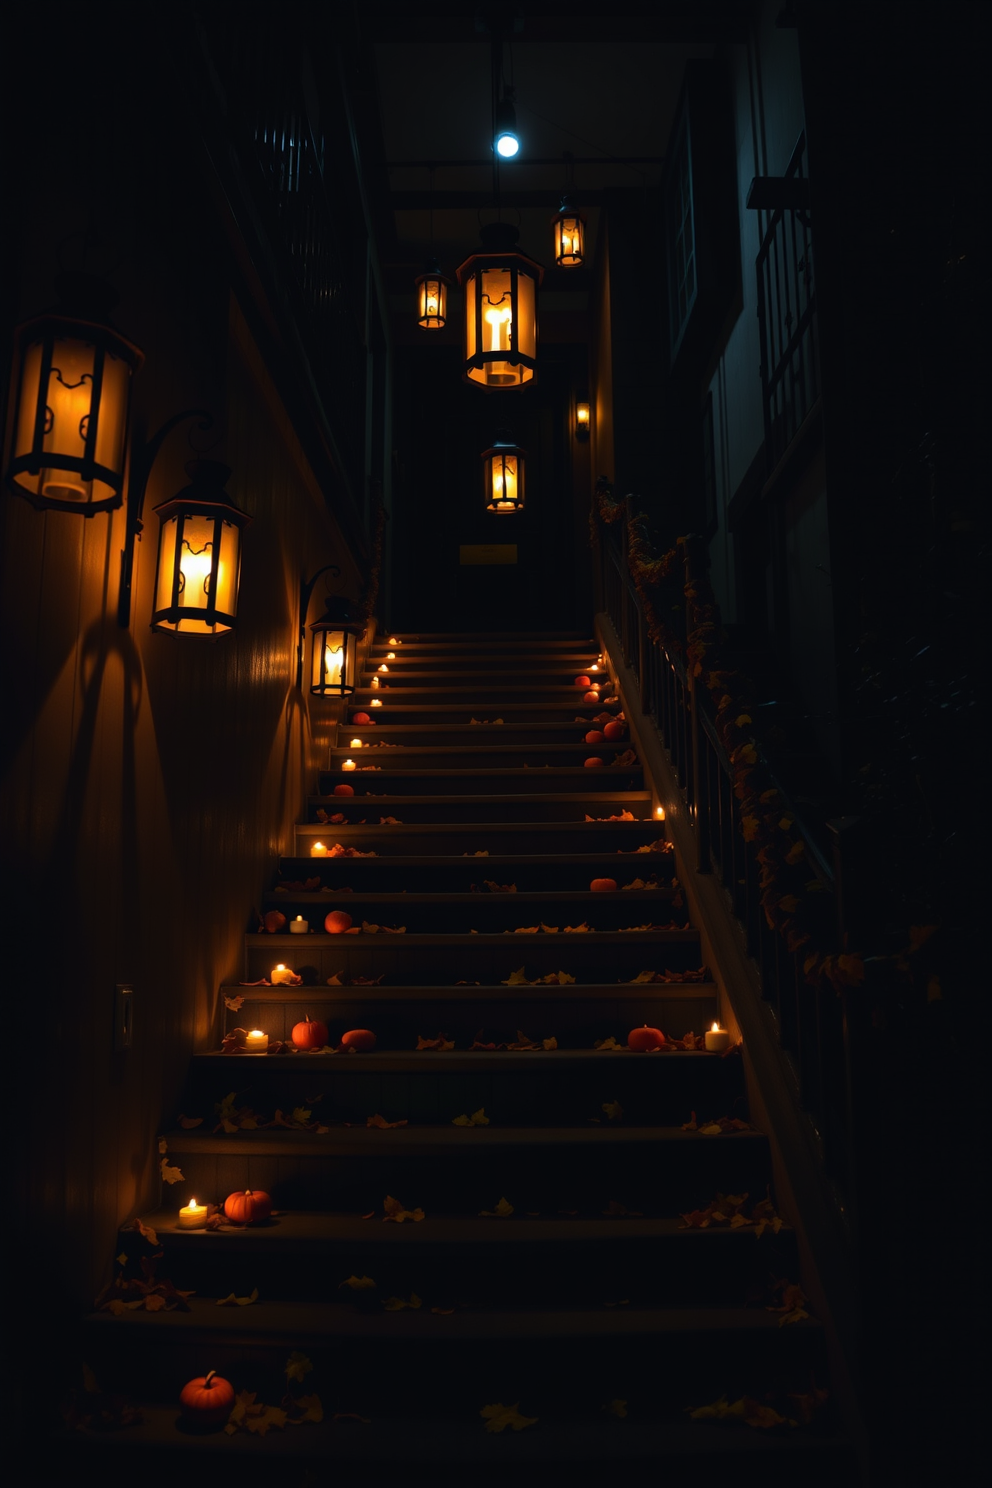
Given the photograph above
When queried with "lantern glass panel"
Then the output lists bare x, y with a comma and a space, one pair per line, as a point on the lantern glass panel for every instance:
433, 310
166, 565
470, 297
569, 244
526, 329
497, 326
333, 662
203, 596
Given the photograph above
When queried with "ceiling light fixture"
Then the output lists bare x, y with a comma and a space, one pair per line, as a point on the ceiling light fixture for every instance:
506, 141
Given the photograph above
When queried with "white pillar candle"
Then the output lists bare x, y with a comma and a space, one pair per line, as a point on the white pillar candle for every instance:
193, 1216
375, 683
299, 926
257, 1042
717, 1040
390, 655
282, 976
355, 744
348, 764
318, 850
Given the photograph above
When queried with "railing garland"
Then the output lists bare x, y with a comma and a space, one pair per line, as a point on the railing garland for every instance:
794, 901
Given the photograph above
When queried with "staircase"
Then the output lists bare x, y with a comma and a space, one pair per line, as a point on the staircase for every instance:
593, 1307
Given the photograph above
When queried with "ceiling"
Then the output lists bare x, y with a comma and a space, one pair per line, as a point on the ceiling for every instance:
600, 84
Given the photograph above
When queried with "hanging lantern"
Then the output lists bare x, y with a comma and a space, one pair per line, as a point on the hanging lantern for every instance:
583, 420
503, 475
500, 286
199, 555
335, 648
570, 236
73, 402
432, 298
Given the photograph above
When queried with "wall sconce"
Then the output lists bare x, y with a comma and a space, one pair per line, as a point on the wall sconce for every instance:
336, 634
199, 555
73, 402
500, 286
582, 420
503, 475
570, 236
432, 298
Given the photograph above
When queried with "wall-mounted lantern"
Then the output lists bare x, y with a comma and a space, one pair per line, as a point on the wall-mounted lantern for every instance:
583, 420
432, 298
503, 475
199, 555
500, 286
73, 402
334, 660
570, 236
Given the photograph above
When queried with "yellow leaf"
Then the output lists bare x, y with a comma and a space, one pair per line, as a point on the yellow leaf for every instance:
312, 1408
358, 1283
395, 1211
499, 1416
154, 1302
718, 1411
712, 1129
163, 1145
271, 1416
397, 1304
121, 1259
796, 851
616, 1408
786, 823
169, 1173
477, 1118
608, 1043
232, 1301
613, 1109
549, 1044
298, 1366
934, 990
517, 978
503, 1210
564, 979
301, 1114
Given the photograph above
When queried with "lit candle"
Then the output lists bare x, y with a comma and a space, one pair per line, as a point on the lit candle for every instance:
394, 642
717, 1040
299, 926
376, 702
659, 812
257, 1042
390, 655
355, 744
384, 668
348, 764
193, 1216
318, 850
375, 683
282, 976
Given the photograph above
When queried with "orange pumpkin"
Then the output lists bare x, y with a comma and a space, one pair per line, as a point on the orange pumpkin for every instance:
360, 718
207, 1400
248, 1207
359, 1039
274, 921
583, 681
310, 1034
337, 922
603, 886
613, 730
594, 736
344, 790
594, 762
641, 1039
590, 697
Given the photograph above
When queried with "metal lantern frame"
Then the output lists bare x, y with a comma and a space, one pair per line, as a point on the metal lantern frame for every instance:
569, 235
337, 630
199, 520
84, 437
519, 297
432, 298
503, 471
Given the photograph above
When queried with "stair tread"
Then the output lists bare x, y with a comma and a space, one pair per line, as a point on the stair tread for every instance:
407, 1140
459, 1060
488, 992
483, 939
519, 896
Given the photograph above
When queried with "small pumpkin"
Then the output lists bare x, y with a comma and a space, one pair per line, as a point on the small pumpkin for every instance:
583, 681
642, 1039
359, 1039
590, 697
310, 1034
337, 922
594, 762
344, 790
613, 729
248, 1207
594, 736
360, 718
207, 1400
274, 921
603, 886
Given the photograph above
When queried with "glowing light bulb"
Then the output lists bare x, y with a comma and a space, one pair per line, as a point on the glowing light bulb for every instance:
499, 328
333, 662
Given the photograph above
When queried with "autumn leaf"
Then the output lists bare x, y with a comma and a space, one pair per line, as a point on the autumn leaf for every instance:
308, 1408
549, 1044
549, 929
719, 1411
383, 1124
147, 1232
396, 1212
232, 1301
499, 1416
582, 929
358, 1284
563, 978
516, 978
613, 1110
170, 1174
121, 1259
260, 1421
397, 1304
297, 1366
503, 1210
189, 1122
439, 1044
608, 1043
616, 1408
477, 1118
523, 930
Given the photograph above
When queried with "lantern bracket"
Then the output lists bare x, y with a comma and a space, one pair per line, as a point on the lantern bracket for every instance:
143, 458
306, 594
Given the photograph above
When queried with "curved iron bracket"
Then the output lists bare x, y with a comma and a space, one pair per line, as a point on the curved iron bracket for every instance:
306, 594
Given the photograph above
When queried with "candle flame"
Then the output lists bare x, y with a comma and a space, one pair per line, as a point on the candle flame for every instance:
716, 1028
256, 1033
316, 844
384, 668
299, 917
280, 967
375, 701
499, 335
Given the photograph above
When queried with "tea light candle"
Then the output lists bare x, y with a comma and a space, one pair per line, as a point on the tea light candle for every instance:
659, 812
375, 683
384, 668
390, 655
717, 1040
376, 702
348, 764
257, 1042
594, 667
318, 850
299, 926
193, 1216
355, 744
394, 642
281, 976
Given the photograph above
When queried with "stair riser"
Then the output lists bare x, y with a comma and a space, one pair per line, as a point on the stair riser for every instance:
567, 753
404, 705
670, 1179
498, 782
565, 664
456, 876
501, 735
363, 814
462, 839
492, 914
401, 959
397, 1025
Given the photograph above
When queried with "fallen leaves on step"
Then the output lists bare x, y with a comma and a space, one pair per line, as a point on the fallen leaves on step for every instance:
397, 1304
641, 883
232, 1118
624, 815
390, 821
477, 1118
398, 1214
147, 1232
297, 886
791, 1302
499, 1416
660, 844
297, 1367
358, 1284
369, 929
482, 853
146, 1292
668, 976
503, 1210
751, 1412
732, 1211
249, 1414
608, 1043
337, 851
170, 1173
232, 1301
577, 929
383, 1124
616, 1408
485, 720
299, 1120
234, 1004
719, 1127
340, 979
300, 1411
523, 930
613, 1110
627, 760
441, 1044
496, 888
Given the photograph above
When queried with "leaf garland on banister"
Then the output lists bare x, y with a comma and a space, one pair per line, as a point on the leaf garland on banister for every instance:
795, 902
